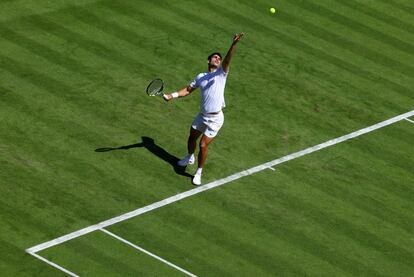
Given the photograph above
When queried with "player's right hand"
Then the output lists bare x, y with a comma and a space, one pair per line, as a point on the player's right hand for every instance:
167, 97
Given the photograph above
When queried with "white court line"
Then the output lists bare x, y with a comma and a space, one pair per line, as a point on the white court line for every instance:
148, 253
409, 120
53, 264
214, 184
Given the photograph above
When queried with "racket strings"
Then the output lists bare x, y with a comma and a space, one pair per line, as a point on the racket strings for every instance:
155, 87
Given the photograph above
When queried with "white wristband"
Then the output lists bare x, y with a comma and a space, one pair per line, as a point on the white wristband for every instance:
174, 95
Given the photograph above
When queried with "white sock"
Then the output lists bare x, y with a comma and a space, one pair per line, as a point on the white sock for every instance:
199, 171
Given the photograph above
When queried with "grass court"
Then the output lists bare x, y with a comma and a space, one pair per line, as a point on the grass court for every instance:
81, 142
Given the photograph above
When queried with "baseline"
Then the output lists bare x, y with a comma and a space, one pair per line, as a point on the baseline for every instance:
213, 184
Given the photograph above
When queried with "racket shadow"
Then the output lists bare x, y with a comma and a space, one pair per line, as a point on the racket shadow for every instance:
155, 149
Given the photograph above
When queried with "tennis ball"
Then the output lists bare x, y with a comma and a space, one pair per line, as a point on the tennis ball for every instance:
272, 10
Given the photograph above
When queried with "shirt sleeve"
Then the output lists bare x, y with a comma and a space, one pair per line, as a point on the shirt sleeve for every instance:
195, 83
222, 72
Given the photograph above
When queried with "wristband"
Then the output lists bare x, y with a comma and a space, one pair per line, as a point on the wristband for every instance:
174, 95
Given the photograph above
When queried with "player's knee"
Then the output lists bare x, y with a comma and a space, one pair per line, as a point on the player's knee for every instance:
203, 144
194, 134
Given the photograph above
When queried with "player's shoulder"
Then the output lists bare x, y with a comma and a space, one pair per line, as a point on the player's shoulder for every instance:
200, 75
220, 71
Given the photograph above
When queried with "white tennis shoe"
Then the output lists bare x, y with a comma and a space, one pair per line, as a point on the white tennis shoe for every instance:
189, 159
197, 179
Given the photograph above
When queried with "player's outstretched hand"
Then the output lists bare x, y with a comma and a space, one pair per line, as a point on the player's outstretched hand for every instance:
237, 37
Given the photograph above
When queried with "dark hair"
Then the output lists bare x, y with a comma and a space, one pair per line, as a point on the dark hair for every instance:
215, 53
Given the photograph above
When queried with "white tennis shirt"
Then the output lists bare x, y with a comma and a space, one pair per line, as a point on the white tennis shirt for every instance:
212, 86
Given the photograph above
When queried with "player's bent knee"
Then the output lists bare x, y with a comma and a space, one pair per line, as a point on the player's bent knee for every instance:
203, 145
205, 141
194, 134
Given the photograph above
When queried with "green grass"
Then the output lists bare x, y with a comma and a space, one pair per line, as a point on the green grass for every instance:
72, 80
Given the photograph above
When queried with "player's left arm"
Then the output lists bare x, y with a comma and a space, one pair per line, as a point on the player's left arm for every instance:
227, 58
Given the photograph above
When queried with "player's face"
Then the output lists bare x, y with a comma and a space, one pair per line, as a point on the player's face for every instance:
215, 60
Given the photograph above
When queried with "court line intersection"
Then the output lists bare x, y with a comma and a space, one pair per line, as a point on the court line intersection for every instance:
269, 165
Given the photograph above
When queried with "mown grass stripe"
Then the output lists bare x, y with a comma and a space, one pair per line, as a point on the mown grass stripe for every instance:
161, 23
278, 216
290, 107
214, 184
404, 162
349, 22
320, 74
381, 16
92, 173
147, 252
171, 249
84, 106
334, 187
122, 34
12, 12
93, 253
397, 4
305, 47
366, 204
358, 49
300, 239
20, 215
261, 256
348, 45
191, 38
322, 20
73, 162
87, 135
42, 49
364, 236
172, 8
98, 49
178, 29
54, 265
266, 228
382, 184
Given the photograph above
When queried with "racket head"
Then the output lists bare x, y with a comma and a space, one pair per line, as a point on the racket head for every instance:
155, 87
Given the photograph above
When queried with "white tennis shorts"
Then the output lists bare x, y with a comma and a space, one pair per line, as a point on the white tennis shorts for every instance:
208, 124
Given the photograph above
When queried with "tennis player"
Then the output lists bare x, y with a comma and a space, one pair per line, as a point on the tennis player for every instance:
210, 118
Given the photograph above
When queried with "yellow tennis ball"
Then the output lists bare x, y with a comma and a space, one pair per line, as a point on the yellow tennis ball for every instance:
272, 10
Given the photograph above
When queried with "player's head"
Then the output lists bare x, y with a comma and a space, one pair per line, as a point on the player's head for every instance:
214, 59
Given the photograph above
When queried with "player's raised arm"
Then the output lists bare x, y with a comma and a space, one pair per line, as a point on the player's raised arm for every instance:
227, 58
181, 93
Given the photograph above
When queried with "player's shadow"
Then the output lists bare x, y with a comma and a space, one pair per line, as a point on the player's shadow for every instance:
158, 151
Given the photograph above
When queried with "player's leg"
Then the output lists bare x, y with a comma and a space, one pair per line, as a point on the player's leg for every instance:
191, 146
202, 156
192, 140
213, 125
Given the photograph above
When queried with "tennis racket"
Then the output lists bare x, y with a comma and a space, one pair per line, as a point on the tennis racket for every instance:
155, 87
